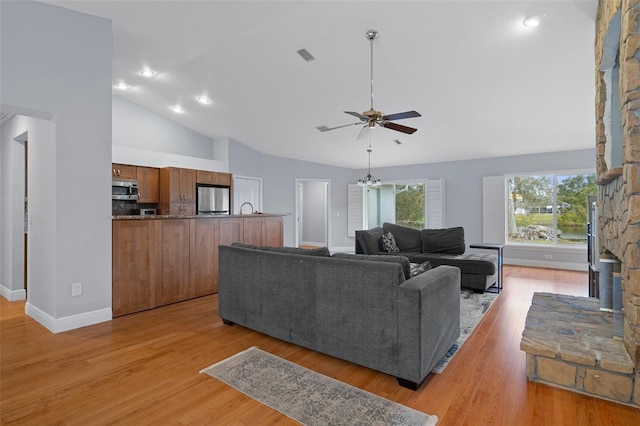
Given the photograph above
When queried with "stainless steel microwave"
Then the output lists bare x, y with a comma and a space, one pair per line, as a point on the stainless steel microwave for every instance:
124, 189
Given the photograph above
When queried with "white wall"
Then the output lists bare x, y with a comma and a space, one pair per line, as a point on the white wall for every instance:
57, 63
12, 169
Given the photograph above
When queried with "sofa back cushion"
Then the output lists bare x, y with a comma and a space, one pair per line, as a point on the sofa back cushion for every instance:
368, 241
407, 239
449, 240
402, 260
320, 251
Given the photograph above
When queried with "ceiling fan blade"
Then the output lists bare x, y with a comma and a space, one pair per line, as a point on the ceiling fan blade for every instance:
365, 132
401, 115
357, 114
324, 128
398, 127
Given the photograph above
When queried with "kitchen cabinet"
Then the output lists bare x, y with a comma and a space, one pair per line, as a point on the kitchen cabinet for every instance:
148, 184
272, 231
177, 185
158, 261
134, 266
181, 209
172, 284
231, 231
123, 171
262, 231
213, 178
204, 257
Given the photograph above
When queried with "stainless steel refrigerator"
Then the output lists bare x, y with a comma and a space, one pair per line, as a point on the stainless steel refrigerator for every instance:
212, 200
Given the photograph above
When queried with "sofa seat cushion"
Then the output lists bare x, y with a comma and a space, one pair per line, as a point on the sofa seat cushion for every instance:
449, 240
402, 260
407, 239
471, 263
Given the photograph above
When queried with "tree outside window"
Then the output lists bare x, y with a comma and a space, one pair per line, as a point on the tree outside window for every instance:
549, 208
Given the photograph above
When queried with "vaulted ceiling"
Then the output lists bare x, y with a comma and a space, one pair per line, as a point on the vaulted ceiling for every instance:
486, 86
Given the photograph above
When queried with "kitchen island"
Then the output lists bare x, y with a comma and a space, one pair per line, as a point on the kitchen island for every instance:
165, 259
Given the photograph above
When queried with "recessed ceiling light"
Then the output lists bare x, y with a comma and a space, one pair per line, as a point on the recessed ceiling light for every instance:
203, 100
121, 86
531, 21
177, 109
147, 73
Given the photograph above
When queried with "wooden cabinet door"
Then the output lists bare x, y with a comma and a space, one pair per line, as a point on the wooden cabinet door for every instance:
253, 230
172, 237
148, 181
177, 186
272, 231
204, 257
134, 265
188, 185
123, 171
231, 231
213, 178
181, 209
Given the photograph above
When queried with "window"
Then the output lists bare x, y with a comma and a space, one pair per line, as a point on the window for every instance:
402, 204
548, 208
417, 204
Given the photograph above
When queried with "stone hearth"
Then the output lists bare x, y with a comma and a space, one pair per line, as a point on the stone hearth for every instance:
569, 344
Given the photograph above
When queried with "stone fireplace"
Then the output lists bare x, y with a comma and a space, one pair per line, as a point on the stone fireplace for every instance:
618, 152
568, 340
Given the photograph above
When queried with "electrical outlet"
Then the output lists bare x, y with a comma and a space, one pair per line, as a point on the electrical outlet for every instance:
76, 289
548, 256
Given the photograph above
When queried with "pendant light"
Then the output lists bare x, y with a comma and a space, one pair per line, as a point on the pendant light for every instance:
368, 179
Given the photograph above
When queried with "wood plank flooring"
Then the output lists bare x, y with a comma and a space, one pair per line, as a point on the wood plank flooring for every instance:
143, 369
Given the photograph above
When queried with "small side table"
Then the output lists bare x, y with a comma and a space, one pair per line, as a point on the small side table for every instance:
492, 246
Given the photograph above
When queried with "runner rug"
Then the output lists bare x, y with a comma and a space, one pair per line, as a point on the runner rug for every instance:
309, 397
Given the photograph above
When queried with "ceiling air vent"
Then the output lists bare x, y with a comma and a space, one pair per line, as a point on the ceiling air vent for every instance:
5, 116
306, 55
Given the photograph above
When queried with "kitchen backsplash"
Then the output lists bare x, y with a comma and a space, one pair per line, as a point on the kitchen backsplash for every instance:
122, 208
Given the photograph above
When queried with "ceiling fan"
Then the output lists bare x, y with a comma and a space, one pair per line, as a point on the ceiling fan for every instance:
369, 119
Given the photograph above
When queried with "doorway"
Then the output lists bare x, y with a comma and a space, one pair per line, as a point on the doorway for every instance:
312, 212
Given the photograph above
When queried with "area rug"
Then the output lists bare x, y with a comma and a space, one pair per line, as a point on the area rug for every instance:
309, 397
473, 306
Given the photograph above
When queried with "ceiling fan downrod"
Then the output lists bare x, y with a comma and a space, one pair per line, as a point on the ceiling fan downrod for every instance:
372, 35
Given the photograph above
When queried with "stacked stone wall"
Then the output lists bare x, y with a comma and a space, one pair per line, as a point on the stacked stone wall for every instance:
619, 198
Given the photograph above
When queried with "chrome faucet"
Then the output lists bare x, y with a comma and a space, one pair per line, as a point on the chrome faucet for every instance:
245, 203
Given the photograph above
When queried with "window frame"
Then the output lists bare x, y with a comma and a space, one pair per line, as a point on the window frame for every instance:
554, 174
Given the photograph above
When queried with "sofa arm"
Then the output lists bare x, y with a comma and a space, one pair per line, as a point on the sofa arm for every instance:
429, 320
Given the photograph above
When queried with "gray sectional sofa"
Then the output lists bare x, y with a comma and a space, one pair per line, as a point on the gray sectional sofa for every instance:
362, 309
438, 247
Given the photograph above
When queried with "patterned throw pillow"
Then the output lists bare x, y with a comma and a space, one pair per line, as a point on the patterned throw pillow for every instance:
418, 268
389, 243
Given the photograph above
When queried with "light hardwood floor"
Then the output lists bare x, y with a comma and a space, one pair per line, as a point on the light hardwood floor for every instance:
143, 369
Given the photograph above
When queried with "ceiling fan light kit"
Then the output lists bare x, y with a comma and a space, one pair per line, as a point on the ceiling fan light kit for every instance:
371, 118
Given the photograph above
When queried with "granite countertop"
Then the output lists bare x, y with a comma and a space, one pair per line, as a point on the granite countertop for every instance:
200, 216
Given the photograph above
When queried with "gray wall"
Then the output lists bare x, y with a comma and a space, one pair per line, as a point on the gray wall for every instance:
137, 127
57, 64
313, 207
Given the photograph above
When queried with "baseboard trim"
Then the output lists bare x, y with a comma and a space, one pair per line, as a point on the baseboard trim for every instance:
547, 264
341, 249
71, 322
313, 243
12, 295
